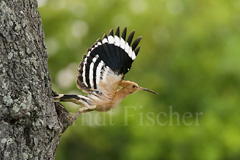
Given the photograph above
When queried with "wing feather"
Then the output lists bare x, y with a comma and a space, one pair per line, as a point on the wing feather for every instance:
106, 63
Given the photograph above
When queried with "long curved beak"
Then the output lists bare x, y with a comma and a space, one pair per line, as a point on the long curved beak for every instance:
149, 90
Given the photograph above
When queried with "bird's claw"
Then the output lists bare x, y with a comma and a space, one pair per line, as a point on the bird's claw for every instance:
71, 114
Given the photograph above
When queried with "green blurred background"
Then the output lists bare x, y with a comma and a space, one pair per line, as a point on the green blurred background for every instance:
190, 55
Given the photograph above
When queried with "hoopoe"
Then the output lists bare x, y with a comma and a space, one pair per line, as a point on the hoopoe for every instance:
101, 73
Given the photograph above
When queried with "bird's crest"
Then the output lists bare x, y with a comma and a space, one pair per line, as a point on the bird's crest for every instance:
113, 54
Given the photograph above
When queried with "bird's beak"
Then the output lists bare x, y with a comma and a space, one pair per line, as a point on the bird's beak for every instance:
149, 90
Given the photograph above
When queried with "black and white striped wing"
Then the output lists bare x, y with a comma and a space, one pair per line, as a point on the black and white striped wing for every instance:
107, 61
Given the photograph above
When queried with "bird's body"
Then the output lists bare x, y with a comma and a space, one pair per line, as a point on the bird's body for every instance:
102, 71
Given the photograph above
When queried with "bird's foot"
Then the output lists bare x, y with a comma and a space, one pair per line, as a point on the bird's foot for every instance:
81, 110
71, 115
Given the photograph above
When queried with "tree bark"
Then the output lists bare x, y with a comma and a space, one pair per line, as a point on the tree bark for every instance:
30, 123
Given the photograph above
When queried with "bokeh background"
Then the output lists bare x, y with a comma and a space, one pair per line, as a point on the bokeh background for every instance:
190, 55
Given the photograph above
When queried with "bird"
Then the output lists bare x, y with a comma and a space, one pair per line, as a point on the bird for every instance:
101, 73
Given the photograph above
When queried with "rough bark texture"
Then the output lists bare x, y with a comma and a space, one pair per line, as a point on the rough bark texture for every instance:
30, 123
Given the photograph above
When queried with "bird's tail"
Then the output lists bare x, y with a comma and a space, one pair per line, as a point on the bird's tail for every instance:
77, 99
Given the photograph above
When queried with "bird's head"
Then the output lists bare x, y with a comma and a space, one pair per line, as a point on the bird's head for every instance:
133, 87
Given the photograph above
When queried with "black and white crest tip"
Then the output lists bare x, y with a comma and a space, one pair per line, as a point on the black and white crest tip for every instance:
112, 53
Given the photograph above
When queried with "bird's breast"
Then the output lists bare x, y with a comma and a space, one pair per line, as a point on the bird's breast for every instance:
104, 107
103, 103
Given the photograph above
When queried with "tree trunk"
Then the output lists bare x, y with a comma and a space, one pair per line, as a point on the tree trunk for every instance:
30, 123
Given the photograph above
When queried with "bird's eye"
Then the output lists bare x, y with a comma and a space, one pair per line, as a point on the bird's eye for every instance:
133, 86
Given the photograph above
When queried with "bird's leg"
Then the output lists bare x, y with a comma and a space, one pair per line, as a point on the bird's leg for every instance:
82, 110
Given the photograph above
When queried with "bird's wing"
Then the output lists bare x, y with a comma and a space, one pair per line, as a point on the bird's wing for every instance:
107, 61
